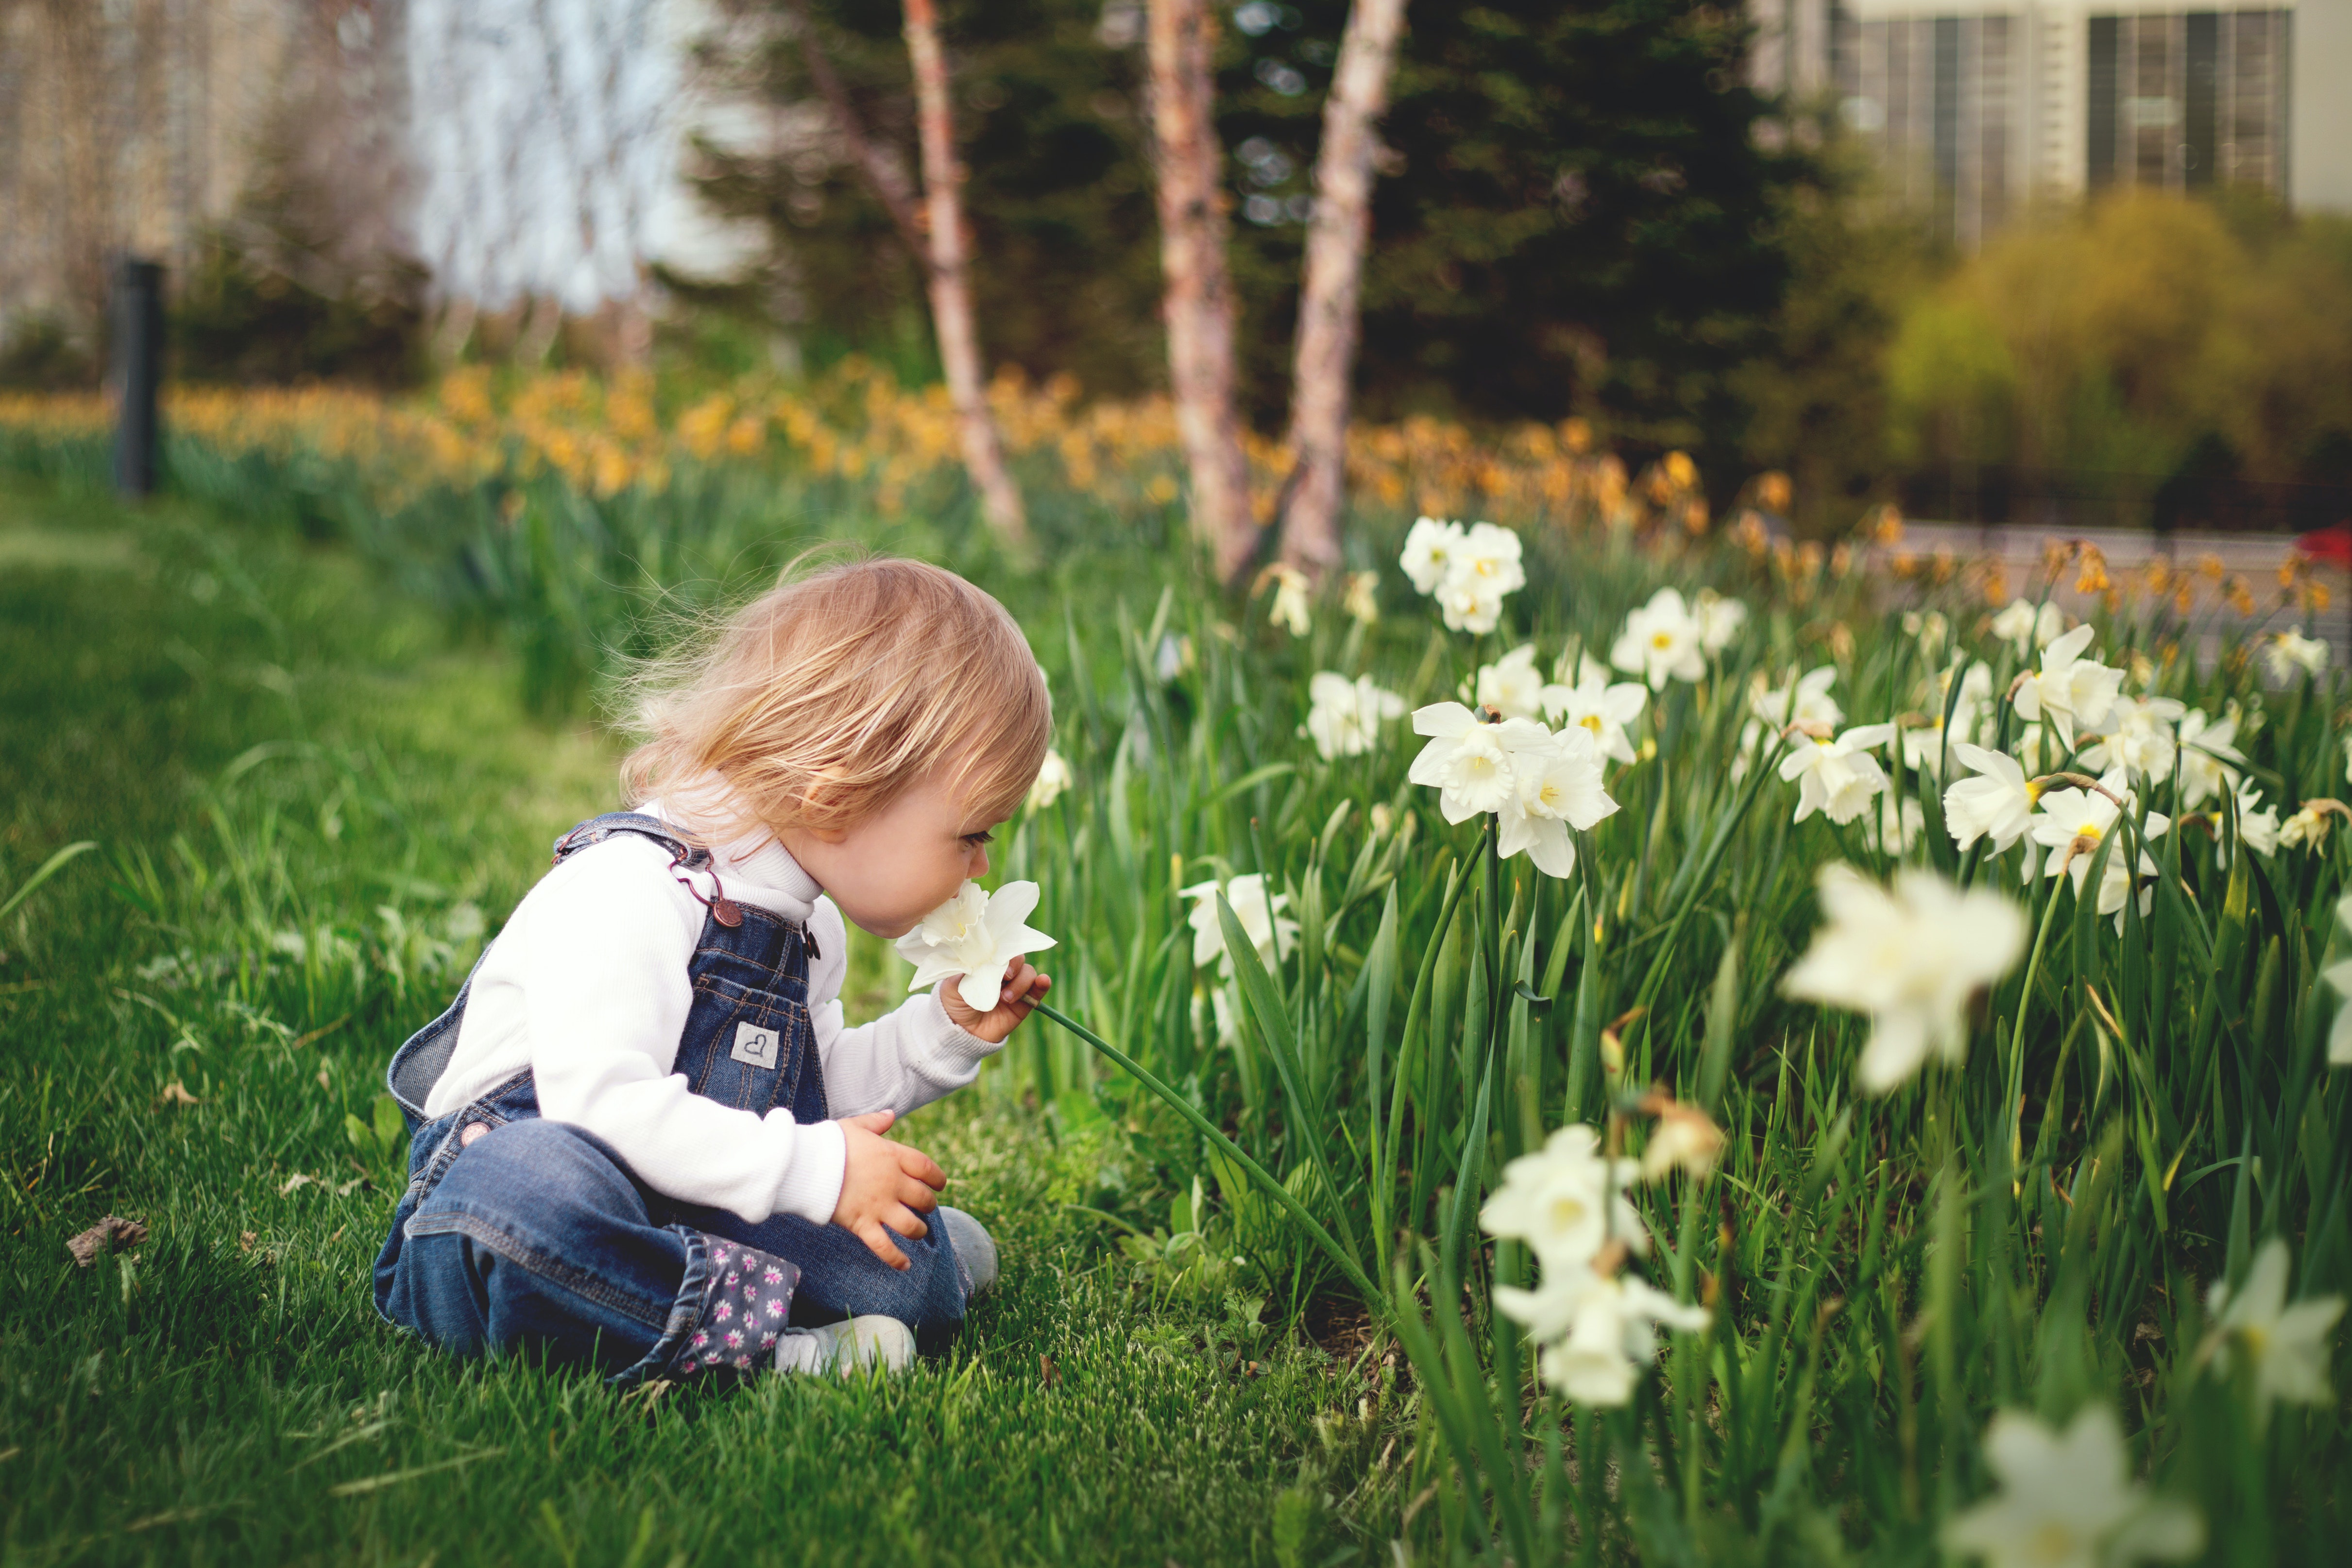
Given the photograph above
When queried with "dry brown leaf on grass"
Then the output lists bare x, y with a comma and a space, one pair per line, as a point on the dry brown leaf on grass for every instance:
176, 1093
297, 1180
111, 1234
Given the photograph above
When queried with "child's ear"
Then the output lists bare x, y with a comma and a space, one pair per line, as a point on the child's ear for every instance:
818, 801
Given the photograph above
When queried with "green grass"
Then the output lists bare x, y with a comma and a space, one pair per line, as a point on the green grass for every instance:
299, 785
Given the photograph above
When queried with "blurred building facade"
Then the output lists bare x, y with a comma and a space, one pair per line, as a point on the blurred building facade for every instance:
1979, 108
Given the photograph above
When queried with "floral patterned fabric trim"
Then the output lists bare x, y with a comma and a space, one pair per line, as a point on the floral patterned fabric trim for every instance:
745, 1300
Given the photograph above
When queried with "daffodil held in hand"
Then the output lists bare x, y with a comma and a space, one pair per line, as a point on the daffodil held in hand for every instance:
978, 941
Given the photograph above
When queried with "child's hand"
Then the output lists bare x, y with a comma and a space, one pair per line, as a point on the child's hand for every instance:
1023, 988
885, 1186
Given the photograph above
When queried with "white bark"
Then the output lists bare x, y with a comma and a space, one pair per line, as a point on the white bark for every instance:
1199, 297
1329, 304
951, 317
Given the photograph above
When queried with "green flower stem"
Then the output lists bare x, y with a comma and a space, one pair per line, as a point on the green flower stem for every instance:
1230, 1150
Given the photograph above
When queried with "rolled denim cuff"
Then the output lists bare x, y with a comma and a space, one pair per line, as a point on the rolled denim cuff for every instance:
731, 1308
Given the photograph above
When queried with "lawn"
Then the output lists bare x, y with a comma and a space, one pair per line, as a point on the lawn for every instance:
310, 801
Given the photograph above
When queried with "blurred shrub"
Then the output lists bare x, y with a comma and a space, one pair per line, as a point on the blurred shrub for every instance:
2147, 335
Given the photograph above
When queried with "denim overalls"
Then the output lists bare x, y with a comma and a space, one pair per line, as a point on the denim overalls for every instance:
517, 1232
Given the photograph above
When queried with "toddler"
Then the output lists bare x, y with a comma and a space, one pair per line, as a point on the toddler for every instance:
642, 1138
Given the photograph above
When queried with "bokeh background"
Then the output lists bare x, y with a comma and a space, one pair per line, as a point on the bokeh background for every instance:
2058, 262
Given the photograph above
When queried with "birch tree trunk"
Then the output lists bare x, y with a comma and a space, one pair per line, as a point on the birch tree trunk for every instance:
983, 451
1328, 298
1199, 297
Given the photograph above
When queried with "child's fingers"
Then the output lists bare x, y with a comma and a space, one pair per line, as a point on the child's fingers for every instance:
878, 1241
873, 1120
906, 1221
922, 1167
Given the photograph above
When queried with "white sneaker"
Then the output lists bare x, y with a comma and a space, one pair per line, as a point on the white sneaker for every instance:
974, 1248
847, 1347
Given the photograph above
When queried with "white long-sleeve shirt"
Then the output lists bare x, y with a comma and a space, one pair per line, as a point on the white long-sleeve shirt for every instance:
587, 986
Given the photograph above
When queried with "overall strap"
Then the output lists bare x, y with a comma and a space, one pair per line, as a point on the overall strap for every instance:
597, 829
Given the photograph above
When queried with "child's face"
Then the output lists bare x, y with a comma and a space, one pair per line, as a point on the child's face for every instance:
892, 868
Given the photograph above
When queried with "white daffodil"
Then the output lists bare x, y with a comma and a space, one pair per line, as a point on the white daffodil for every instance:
1054, 778
2207, 749
1511, 685
1597, 1331
973, 939
2307, 829
2021, 625
1290, 609
1261, 919
1362, 599
1929, 630
1924, 748
1344, 716
1565, 1202
2073, 823
1837, 777
2290, 653
2339, 976
1465, 761
1598, 706
1555, 785
1801, 699
1893, 832
1719, 619
1490, 556
2286, 1346
1430, 547
2137, 737
1469, 608
1661, 640
2258, 829
1910, 959
2071, 691
2067, 1500
1997, 802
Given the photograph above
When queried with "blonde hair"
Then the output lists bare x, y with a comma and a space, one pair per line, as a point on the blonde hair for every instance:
823, 697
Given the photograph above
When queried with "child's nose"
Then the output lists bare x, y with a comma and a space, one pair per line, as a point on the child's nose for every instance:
980, 867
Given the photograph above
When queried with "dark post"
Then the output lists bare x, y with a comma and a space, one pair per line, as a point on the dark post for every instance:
137, 370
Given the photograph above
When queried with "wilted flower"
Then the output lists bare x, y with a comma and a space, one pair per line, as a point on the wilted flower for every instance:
2138, 737
2022, 623
1596, 1331
974, 938
2307, 829
1363, 600
1511, 685
2286, 1346
2070, 690
1720, 620
1290, 608
1838, 777
1053, 776
1565, 1202
1910, 959
2206, 749
2067, 1500
1260, 916
2288, 653
2075, 822
1597, 705
1555, 785
1683, 1140
1344, 717
1661, 639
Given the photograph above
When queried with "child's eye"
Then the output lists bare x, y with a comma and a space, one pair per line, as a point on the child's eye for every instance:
977, 839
